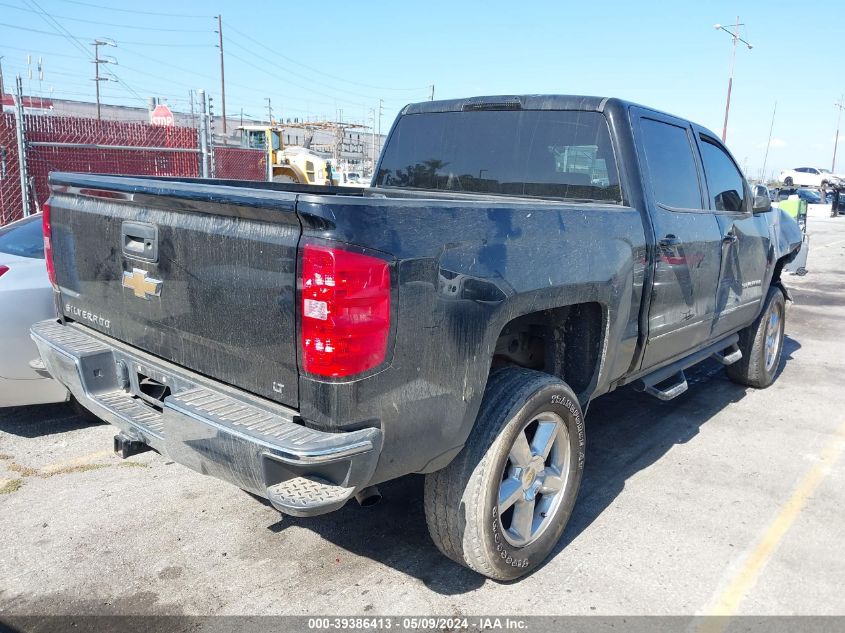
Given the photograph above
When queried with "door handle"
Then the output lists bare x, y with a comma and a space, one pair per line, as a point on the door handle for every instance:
140, 240
670, 240
730, 238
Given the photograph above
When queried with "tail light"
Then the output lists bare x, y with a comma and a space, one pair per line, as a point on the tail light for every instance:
3, 270
345, 311
48, 243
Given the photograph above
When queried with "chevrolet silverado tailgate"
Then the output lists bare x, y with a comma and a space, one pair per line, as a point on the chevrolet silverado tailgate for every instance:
202, 275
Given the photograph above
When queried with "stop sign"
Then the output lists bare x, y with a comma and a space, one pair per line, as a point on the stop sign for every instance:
161, 115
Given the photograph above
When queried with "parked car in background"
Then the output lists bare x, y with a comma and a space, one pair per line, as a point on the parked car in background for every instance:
762, 190
26, 296
810, 196
809, 177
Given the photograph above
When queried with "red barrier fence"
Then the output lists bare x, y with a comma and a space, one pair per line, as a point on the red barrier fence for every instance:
106, 147
240, 164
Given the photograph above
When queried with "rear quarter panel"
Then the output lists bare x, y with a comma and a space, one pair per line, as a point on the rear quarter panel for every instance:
464, 270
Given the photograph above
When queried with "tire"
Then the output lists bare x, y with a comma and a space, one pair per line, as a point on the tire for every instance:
760, 346
462, 509
787, 181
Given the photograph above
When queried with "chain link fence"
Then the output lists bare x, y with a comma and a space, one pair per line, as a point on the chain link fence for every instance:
11, 196
56, 143
234, 163
106, 147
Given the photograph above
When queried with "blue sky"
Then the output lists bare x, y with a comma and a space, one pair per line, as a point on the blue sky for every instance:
316, 58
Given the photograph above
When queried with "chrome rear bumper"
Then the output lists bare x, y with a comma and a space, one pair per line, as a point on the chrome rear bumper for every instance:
211, 427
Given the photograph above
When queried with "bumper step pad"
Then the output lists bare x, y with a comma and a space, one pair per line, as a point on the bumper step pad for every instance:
303, 492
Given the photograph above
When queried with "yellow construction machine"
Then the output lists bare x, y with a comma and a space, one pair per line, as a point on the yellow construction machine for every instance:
287, 164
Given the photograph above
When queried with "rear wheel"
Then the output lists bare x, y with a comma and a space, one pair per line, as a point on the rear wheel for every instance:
787, 181
761, 344
501, 506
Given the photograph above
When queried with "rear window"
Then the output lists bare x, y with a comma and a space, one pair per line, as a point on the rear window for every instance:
23, 238
539, 153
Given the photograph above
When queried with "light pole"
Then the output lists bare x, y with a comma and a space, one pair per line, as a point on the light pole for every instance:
840, 105
735, 37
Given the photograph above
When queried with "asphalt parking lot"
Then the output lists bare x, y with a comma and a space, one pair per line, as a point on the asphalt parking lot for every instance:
725, 500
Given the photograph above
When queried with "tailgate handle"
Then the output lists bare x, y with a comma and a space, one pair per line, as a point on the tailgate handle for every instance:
140, 240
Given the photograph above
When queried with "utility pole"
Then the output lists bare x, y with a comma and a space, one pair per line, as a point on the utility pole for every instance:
20, 129
97, 61
840, 105
203, 107
735, 36
768, 144
432, 93
222, 71
269, 110
373, 144
380, 112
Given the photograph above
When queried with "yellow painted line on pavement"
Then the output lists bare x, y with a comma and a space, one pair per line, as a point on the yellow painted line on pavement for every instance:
747, 575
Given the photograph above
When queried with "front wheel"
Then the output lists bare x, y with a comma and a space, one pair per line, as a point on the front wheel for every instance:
761, 344
787, 181
501, 506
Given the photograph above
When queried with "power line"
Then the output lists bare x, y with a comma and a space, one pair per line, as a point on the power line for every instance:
69, 36
123, 26
157, 44
307, 78
250, 90
300, 86
23, 28
320, 72
39, 51
296, 74
136, 11
62, 31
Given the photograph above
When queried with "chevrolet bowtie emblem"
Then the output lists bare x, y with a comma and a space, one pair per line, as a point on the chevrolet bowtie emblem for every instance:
142, 285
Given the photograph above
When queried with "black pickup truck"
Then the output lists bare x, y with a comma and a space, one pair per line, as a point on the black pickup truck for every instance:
515, 258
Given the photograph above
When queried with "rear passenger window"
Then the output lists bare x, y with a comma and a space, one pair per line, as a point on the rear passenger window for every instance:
671, 166
723, 179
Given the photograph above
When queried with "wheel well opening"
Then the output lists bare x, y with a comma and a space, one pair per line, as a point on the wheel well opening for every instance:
565, 342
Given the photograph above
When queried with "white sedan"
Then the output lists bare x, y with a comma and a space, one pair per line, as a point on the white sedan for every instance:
26, 296
809, 177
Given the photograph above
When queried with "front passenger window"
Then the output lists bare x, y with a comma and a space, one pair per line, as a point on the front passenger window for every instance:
724, 180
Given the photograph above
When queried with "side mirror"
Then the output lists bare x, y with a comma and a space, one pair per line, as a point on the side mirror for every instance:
761, 204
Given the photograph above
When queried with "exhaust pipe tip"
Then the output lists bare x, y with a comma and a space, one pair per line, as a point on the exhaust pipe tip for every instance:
368, 497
